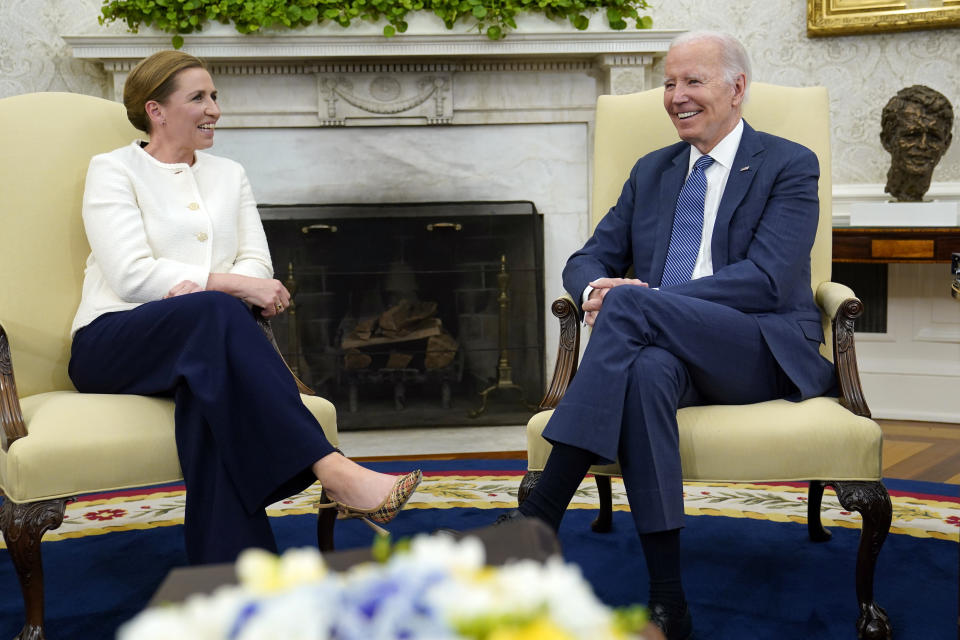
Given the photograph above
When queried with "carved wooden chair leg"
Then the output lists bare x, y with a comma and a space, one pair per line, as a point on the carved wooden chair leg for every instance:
872, 501
529, 481
23, 525
814, 525
326, 519
604, 520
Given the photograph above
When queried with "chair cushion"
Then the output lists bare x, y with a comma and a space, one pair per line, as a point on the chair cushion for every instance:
81, 443
816, 439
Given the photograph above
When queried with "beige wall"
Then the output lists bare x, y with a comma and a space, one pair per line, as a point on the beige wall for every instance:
861, 72
32, 55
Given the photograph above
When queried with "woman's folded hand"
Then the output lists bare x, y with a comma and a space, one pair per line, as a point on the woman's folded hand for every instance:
268, 293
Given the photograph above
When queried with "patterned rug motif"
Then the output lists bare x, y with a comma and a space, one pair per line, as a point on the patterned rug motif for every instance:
920, 516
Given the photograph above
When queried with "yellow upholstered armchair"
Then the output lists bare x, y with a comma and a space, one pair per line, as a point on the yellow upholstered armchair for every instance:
56, 443
823, 441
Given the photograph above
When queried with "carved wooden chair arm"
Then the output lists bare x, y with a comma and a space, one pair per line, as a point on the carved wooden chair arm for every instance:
568, 353
268, 331
11, 417
843, 307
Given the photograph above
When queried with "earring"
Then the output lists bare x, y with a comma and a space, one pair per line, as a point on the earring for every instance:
163, 123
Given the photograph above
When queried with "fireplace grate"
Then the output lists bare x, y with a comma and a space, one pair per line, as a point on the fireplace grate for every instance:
405, 314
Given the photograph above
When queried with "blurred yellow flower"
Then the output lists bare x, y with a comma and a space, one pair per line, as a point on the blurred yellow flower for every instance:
539, 629
262, 572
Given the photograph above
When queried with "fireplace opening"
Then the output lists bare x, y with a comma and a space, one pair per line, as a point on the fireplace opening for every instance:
414, 314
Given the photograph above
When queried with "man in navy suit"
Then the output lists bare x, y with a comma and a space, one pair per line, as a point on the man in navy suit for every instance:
732, 323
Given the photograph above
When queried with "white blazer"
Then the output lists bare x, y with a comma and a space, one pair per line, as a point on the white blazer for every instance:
151, 225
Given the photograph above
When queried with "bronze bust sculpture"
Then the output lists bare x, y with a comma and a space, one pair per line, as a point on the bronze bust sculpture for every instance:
916, 129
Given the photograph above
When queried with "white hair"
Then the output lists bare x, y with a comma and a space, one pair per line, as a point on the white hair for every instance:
733, 57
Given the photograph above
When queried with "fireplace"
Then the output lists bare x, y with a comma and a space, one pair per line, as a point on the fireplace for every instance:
414, 314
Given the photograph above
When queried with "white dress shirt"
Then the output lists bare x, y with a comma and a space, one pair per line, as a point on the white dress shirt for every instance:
723, 155
152, 225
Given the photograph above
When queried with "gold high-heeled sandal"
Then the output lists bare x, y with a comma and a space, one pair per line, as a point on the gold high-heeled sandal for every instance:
387, 510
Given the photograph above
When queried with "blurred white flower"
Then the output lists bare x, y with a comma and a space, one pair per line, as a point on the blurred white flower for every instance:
435, 590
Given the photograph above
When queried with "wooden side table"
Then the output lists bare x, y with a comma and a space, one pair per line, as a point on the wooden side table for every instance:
861, 247
895, 244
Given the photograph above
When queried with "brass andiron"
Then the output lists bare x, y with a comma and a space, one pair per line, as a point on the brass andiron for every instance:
504, 370
293, 335
955, 270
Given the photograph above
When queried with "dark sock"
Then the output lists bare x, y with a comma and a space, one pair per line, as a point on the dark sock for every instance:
662, 552
560, 479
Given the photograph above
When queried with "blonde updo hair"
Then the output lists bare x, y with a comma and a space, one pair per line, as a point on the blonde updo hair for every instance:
154, 78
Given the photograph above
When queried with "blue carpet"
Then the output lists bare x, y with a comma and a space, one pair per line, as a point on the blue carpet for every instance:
745, 579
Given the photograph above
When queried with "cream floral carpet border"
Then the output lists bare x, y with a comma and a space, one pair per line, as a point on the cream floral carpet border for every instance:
914, 516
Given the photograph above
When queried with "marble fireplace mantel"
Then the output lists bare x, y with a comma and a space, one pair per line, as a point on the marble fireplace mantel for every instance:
329, 76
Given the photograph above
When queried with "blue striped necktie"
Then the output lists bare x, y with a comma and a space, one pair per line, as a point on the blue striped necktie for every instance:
687, 226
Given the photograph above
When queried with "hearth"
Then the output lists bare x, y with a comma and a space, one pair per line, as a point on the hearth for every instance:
424, 314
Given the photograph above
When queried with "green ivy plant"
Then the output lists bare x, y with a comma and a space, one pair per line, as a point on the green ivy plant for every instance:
492, 17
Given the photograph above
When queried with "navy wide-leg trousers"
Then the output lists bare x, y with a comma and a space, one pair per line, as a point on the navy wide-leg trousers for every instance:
652, 352
244, 437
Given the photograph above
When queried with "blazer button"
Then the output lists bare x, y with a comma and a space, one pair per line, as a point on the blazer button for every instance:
193, 206
202, 237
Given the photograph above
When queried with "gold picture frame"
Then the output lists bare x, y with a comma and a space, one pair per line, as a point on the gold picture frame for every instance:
844, 17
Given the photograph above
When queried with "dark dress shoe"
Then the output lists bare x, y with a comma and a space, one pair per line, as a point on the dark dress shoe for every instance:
674, 627
509, 516
513, 515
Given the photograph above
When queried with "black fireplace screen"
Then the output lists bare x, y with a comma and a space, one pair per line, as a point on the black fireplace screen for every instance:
427, 314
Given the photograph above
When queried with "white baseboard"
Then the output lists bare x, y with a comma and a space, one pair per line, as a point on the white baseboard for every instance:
928, 416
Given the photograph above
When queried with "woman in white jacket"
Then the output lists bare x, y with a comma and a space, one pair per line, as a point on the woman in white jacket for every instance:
177, 255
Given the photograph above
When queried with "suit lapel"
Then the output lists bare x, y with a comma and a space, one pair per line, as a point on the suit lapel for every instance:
670, 184
750, 156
